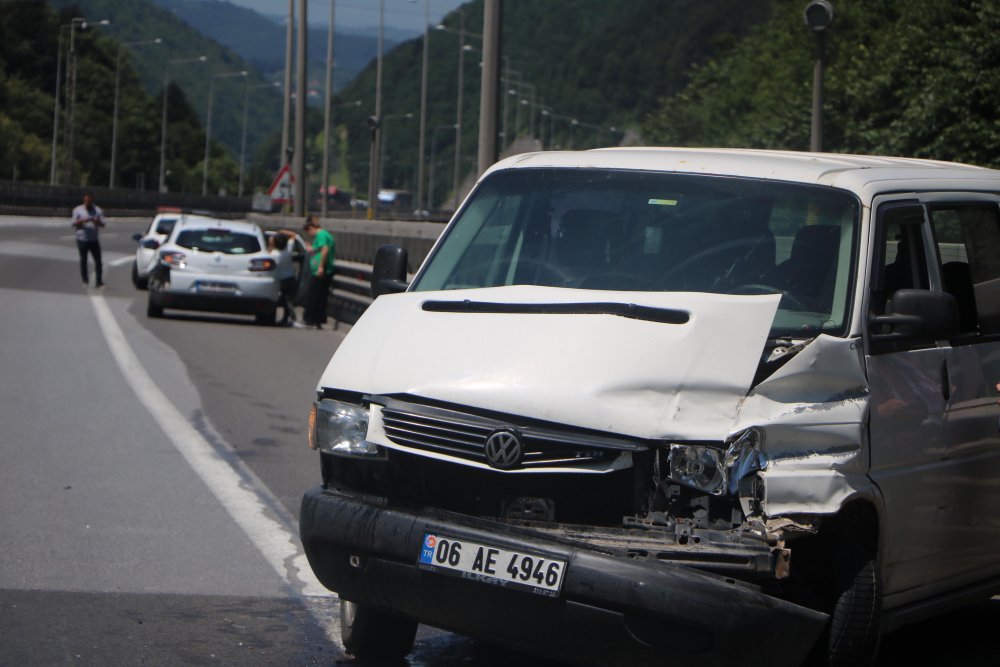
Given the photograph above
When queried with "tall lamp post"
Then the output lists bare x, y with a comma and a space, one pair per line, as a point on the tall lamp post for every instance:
114, 117
375, 121
163, 120
55, 112
243, 133
818, 17
462, 48
71, 63
327, 112
208, 125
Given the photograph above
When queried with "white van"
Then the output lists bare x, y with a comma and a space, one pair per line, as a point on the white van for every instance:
672, 406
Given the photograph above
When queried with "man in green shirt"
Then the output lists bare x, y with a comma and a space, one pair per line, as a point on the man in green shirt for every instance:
321, 270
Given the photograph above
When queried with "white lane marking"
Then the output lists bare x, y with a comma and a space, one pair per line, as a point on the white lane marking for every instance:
122, 260
246, 503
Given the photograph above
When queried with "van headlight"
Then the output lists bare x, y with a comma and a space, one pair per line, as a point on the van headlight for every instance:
340, 428
716, 470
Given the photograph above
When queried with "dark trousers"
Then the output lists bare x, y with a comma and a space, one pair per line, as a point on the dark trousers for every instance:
289, 287
94, 248
317, 295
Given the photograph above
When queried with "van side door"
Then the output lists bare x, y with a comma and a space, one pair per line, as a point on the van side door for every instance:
907, 406
967, 235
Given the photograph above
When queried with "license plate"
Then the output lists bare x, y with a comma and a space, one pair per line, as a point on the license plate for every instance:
216, 288
525, 570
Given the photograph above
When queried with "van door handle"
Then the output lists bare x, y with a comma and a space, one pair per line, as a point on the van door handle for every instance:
945, 380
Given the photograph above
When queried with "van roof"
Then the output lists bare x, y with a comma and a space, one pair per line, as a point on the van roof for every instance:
863, 174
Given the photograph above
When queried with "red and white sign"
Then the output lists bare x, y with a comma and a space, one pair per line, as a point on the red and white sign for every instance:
281, 190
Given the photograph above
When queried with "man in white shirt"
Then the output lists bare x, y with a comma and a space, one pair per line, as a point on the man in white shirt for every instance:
280, 245
87, 219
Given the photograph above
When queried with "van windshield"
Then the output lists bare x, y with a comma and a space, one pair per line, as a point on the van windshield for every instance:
594, 229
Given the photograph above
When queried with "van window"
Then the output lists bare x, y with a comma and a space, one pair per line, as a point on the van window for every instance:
902, 255
968, 241
639, 231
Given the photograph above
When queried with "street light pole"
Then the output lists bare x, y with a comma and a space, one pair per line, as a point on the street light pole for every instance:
421, 146
301, 88
818, 17
71, 62
327, 112
163, 119
375, 121
114, 119
243, 134
489, 86
55, 111
208, 125
456, 177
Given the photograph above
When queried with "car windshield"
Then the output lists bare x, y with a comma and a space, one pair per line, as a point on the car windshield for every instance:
218, 240
650, 231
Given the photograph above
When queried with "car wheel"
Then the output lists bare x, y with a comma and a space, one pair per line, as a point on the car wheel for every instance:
154, 309
267, 318
140, 283
373, 635
855, 621
846, 583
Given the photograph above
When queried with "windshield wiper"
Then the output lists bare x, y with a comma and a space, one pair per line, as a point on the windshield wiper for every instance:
629, 310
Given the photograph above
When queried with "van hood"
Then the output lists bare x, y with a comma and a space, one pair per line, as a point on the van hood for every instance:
642, 364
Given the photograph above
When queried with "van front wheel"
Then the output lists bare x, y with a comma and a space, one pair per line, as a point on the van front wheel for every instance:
373, 635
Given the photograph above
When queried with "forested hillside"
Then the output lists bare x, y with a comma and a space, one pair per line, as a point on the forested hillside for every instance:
919, 78
261, 42
598, 63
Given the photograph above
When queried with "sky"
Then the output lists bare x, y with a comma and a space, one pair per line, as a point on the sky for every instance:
407, 15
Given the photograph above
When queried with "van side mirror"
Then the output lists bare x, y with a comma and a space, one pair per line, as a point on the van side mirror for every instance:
389, 270
918, 315
137, 237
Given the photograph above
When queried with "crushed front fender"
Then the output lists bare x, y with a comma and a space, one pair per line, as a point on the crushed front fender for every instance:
610, 610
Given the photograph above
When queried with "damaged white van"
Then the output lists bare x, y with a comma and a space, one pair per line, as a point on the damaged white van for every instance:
671, 406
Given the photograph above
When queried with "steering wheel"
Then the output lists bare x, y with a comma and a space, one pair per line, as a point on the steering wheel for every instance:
760, 288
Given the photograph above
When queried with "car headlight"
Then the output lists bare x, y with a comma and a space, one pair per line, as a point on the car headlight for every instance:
340, 428
715, 470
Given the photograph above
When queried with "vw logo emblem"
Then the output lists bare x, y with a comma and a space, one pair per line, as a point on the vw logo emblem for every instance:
504, 449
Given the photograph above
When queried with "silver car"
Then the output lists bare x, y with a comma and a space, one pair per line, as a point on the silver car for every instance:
148, 243
214, 265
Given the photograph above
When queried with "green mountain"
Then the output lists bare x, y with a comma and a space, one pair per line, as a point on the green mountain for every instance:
136, 23
591, 65
261, 41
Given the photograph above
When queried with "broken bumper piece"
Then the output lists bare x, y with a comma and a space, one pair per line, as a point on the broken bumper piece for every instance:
608, 610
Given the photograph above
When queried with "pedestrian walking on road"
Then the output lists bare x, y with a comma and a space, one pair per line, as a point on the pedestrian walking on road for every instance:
87, 219
321, 253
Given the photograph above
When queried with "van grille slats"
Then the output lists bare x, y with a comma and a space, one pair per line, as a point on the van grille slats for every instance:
464, 435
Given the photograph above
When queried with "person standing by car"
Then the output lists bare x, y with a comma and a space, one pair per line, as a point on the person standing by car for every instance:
87, 218
280, 246
321, 270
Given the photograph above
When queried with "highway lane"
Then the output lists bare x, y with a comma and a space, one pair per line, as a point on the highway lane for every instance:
116, 549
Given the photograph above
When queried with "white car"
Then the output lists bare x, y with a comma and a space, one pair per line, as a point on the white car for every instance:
214, 265
145, 253
712, 406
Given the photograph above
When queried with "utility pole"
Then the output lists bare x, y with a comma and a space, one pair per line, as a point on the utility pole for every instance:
299, 168
286, 115
490, 86
457, 176
422, 147
327, 112
375, 122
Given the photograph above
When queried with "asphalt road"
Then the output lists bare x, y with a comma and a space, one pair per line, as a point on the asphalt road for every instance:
151, 474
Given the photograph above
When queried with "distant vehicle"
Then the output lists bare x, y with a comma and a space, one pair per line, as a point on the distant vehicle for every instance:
145, 253
214, 265
336, 199
395, 200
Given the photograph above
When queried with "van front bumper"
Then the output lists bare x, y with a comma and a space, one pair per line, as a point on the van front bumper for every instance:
611, 610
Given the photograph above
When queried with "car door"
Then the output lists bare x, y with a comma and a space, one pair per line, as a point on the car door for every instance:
907, 405
967, 237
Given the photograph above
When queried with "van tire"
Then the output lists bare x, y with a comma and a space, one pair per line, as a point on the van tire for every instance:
854, 602
855, 621
368, 634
